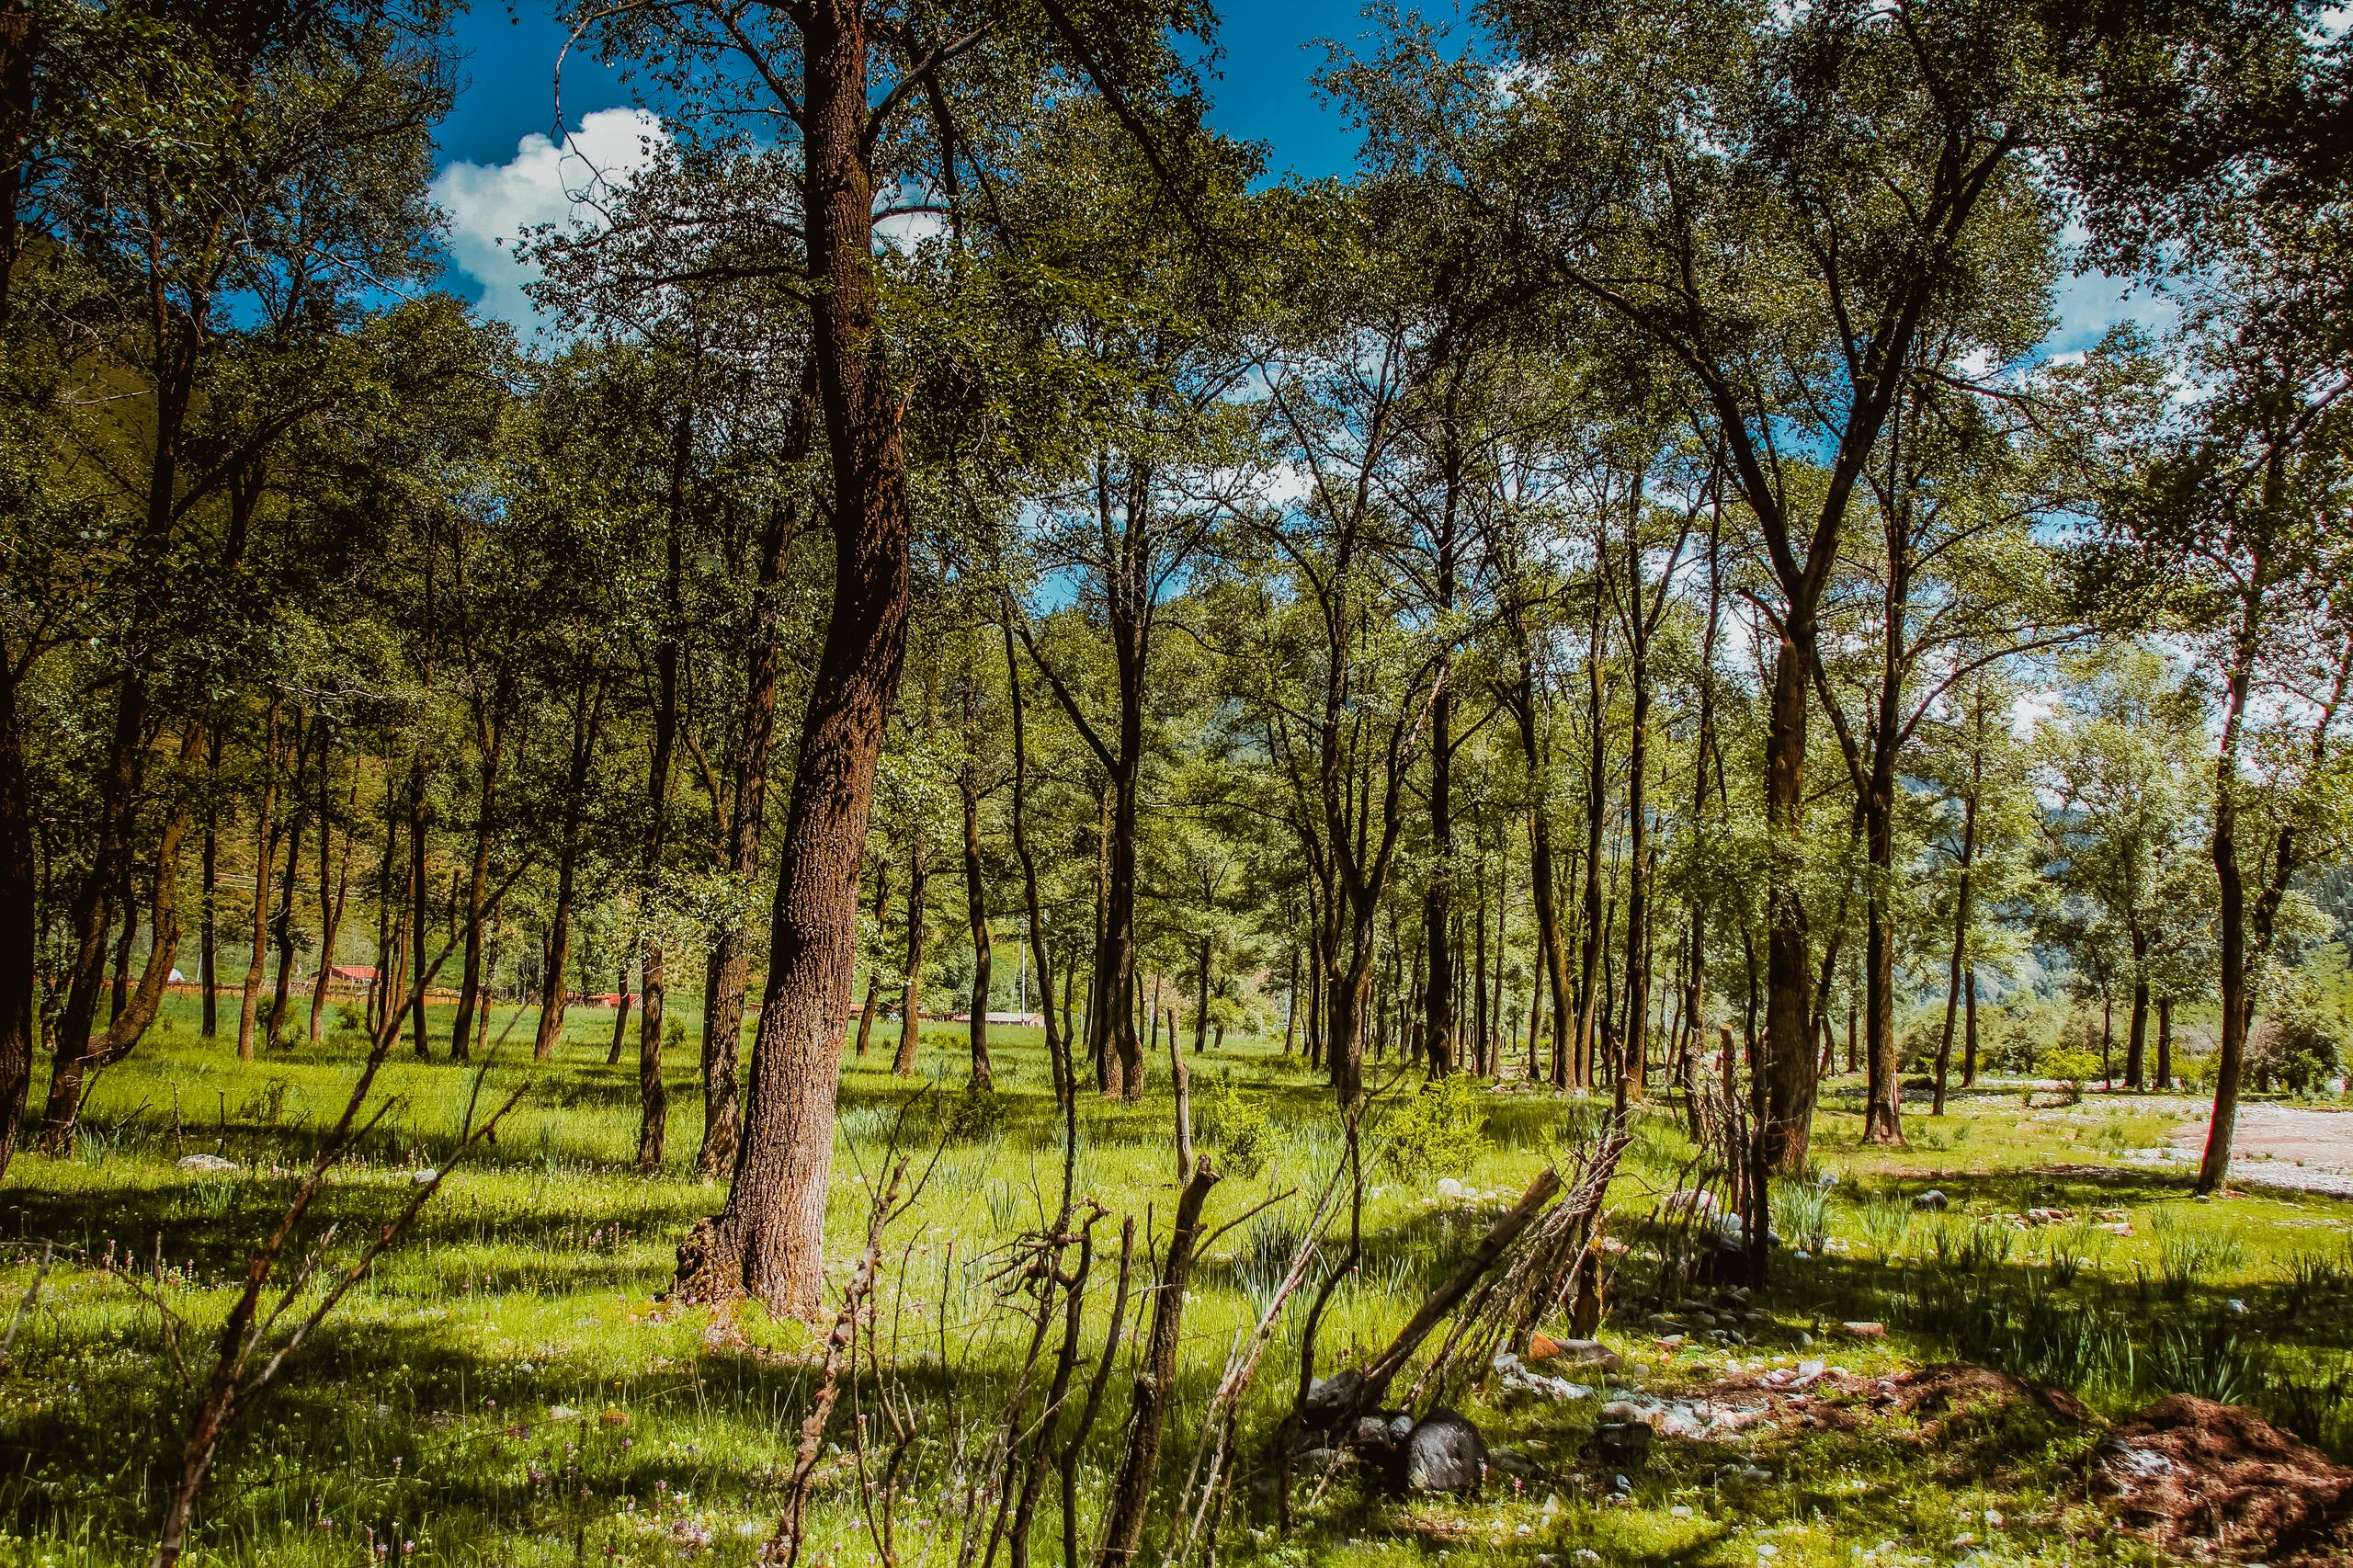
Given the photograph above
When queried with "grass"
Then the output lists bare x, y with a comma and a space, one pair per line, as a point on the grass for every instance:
506, 1390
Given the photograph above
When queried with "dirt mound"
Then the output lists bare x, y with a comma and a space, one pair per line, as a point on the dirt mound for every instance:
2198, 1475
1955, 1386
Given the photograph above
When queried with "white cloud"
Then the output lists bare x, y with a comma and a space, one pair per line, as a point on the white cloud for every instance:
490, 205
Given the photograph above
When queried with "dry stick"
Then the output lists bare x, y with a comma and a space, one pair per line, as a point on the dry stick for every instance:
1287, 1435
1155, 1387
1385, 1367
229, 1391
1067, 1461
1225, 1403
785, 1546
1065, 1362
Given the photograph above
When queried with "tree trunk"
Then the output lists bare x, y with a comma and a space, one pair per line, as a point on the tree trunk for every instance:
1883, 1118
911, 996
208, 949
265, 849
556, 991
1968, 1028
19, 931
976, 917
416, 885
1788, 1065
731, 961
1058, 1052
334, 885
620, 1016
770, 1237
1960, 912
492, 738
1155, 1388
2136, 1041
2165, 1042
283, 924
1590, 1000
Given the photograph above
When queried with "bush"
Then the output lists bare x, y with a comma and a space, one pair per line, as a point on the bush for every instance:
2071, 1065
1236, 1127
974, 1116
2301, 1046
349, 1018
1442, 1130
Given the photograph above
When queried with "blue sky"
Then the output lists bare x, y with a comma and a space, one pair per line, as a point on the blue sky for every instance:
504, 166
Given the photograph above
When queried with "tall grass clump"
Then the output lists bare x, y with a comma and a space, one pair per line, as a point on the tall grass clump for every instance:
1802, 1214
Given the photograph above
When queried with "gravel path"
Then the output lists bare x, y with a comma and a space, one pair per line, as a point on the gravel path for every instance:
2282, 1145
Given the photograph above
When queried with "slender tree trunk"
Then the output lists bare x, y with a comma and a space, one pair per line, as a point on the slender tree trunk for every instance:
1590, 999
19, 931
1130, 1498
1202, 997
874, 974
1968, 1028
1962, 896
418, 936
1058, 1052
208, 951
492, 738
589, 706
1882, 1117
2165, 1042
620, 1016
2136, 1041
334, 885
911, 997
283, 924
265, 850
976, 917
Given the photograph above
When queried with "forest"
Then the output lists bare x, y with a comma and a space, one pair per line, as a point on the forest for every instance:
1036, 840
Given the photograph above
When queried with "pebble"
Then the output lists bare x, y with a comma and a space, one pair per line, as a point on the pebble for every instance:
207, 1165
1681, 1511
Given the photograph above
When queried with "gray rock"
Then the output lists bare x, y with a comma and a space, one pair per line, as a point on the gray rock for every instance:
1622, 1442
1511, 1462
1932, 1203
1445, 1453
1328, 1397
1317, 1461
207, 1165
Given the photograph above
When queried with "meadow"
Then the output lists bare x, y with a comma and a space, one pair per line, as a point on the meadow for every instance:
509, 1388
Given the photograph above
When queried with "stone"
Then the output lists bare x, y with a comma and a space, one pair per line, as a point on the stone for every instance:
1319, 1461
1328, 1397
1543, 1348
1622, 1442
1932, 1203
1444, 1453
207, 1165
1511, 1462
1622, 1409
1863, 1330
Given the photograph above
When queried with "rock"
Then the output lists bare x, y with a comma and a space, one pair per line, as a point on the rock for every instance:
1622, 1409
1448, 1186
1863, 1330
1328, 1397
1444, 1453
1659, 1322
1511, 1462
1826, 1181
425, 1175
207, 1165
1681, 1511
1319, 1461
1622, 1442
1932, 1203
1545, 1349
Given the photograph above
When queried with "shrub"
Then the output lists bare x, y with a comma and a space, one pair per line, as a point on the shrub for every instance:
1441, 1131
1887, 1225
349, 1018
1236, 1127
2302, 1045
974, 1116
2071, 1065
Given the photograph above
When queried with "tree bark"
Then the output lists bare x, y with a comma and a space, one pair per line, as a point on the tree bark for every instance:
770, 1237
265, 849
976, 917
1058, 1052
1960, 915
19, 929
1789, 1076
555, 992
1130, 1499
911, 994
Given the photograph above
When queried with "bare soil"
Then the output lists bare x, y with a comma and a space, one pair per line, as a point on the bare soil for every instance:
2283, 1145
2201, 1477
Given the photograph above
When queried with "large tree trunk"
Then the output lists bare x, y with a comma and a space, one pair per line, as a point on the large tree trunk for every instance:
911, 994
265, 848
1789, 1074
770, 1237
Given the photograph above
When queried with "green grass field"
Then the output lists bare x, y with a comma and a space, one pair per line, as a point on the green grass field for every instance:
505, 1389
